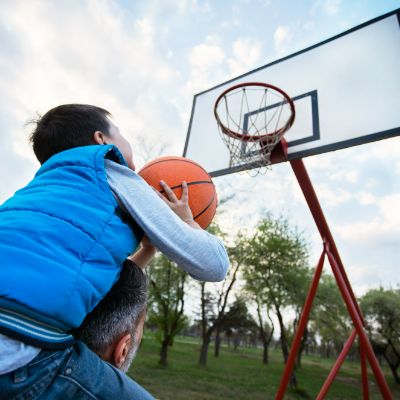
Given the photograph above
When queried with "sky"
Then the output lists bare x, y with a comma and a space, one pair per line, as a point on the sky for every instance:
145, 60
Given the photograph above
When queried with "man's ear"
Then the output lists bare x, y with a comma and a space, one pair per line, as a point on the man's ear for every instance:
121, 350
99, 137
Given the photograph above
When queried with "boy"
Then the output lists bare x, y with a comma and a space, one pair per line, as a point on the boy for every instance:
65, 235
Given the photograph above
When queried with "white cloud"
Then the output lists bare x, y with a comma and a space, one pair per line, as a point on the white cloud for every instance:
332, 6
211, 62
329, 7
384, 228
366, 198
379, 151
145, 26
282, 39
206, 62
344, 175
246, 53
332, 196
61, 54
206, 55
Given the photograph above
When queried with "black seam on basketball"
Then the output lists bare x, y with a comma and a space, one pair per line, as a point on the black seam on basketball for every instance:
178, 159
202, 212
189, 184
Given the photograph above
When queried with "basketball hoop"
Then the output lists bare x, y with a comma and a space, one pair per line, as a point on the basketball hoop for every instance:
253, 117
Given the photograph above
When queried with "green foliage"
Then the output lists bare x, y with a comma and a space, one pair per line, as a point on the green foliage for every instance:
238, 316
329, 317
382, 313
276, 263
276, 271
214, 303
166, 298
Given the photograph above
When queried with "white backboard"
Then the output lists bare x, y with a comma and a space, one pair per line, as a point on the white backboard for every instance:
346, 91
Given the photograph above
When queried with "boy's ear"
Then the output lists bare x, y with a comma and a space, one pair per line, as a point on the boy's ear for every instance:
99, 137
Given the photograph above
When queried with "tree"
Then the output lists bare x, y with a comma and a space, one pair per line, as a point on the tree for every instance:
298, 297
167, 290
213, 308
382, 313
329, 316
239, 321
277, 255
266, 330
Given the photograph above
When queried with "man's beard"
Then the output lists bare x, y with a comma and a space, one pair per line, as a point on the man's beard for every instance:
130, 356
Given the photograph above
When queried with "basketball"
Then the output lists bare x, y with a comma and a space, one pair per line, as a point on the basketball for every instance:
173, 171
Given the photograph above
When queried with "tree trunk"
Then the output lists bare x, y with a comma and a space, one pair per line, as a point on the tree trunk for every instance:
285, 347
265, 352
203, 353
304, 340
284, 344
164, 352
236, 342
217, 343
298, 359
393, 368
395, 374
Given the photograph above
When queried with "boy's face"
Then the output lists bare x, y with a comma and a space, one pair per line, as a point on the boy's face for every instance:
114, 137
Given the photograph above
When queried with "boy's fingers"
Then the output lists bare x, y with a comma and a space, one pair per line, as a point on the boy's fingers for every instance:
185, 192
171, 195
160, 195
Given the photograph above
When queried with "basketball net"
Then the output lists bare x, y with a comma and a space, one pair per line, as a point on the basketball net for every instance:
252, 119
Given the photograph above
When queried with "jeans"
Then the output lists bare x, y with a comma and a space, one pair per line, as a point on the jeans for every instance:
75, 373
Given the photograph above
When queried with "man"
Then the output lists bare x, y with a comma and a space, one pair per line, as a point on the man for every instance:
114, 329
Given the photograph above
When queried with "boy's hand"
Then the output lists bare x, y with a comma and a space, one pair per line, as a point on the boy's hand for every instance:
146, 244
179, 206
145, 254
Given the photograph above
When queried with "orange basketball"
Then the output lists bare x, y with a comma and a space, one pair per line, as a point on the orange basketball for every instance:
175, 170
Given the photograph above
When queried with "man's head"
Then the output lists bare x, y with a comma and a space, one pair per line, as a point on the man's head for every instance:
114, 328
74, 125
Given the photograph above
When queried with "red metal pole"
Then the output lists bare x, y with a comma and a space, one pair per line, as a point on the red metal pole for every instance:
364, 374
336, 367
300, 330
358, 324
307, 188
338, 269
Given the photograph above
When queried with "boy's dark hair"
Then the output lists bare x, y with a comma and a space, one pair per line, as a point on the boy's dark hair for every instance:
65, 127
118, 312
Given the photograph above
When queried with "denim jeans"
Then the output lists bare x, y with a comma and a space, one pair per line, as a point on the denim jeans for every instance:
75, 373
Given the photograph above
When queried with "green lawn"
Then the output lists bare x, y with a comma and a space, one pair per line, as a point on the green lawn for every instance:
239, 375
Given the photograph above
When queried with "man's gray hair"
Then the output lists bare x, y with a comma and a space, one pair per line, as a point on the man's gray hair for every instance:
118, 312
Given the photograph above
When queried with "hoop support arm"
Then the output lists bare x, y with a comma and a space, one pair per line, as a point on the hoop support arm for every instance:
364, 373
357, 322
336, 367
339, 271
307, 188
300, 330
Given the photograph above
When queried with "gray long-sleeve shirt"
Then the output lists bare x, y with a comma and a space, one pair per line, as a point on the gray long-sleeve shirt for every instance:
196, 251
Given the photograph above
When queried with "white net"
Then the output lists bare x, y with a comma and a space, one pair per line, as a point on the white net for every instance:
252, 119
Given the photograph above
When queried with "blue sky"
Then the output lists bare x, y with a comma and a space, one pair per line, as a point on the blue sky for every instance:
144, 61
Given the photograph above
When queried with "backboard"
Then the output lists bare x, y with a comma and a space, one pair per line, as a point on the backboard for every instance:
346, 91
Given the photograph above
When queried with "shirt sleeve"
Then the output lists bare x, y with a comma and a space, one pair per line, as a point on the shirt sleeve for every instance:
196, 251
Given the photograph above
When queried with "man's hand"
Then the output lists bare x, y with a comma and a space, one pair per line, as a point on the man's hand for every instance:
179, 206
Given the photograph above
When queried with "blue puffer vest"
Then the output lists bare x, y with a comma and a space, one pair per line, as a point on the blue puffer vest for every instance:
62, 245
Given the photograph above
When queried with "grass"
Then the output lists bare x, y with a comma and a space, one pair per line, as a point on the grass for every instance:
240, 375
